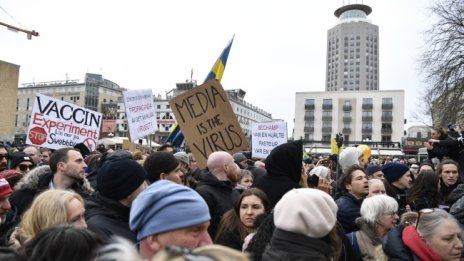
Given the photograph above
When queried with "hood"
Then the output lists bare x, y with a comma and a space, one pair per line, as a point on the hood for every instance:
35, 179
286, 160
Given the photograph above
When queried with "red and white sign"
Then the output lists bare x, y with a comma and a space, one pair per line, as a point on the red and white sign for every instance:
56, 124
140, 113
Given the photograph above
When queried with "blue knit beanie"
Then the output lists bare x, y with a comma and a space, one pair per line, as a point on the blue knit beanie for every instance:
166, 206
371, 169
394, 171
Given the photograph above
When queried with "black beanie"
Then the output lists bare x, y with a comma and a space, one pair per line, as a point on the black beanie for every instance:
159, 162
119, 177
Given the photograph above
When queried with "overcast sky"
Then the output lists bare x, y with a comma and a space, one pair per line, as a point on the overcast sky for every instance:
279, 46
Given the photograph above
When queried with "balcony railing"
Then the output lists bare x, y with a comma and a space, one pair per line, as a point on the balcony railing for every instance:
347, 107
309, 106
327, 118
387, 118
309, 118
367, 106
366, 118
346, 130
308, 129
387, 106
347, 119
327, 106
367, 130
326, 129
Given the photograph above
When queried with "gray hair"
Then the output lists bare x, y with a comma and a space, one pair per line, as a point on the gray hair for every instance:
374, 207
428, 222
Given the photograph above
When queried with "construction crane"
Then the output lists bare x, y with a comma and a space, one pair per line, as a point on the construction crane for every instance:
17, 29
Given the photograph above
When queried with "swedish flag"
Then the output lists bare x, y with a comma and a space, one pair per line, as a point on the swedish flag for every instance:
220, 64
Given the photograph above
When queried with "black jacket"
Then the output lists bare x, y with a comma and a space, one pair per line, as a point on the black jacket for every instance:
220, 196
283, 166
230, 239
286, 245
348, 210
37, 181
107, 217
394, 247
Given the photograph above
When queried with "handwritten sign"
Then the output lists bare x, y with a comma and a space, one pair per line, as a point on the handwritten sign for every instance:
266, 136
207, 121
140, 113
56, 124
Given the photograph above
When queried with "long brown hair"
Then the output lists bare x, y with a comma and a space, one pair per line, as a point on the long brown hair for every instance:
231, 220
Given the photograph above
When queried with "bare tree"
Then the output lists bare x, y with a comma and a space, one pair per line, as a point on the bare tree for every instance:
443, 63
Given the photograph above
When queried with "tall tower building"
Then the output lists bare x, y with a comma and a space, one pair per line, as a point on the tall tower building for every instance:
353, 51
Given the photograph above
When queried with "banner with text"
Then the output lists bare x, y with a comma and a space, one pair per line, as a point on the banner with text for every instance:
56, 124
140, 113
266, 136
208, 122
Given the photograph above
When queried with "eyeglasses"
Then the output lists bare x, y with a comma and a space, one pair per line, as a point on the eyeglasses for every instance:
188, 254
24, 167
423, 211
4, 156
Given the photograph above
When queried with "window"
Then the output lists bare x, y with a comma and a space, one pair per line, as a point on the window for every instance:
309, 113
366, 137
367, 113
387, 101
346, 125
346, 114
327, 114
419, 134
309, 124
367, 100
386, 138
309, 102
367, 125
327, 102
158, 106
386, 125
326, 124
387, 114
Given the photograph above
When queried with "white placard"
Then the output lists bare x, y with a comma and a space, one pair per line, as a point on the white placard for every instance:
140, 113
56, 124
266, 136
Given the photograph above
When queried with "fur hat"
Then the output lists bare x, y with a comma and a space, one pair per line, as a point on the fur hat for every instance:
349, 157
306, 211
394, 171
119, 177
159, 162
166, 206
19, 157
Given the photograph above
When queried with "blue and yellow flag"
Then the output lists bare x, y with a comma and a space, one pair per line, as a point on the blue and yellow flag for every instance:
176, 137
220, 64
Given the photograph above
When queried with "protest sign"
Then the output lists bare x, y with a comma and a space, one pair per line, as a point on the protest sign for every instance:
56, 124
208, 122
140, 113
266, 136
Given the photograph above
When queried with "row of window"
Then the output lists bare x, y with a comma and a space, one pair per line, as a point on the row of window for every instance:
348, 102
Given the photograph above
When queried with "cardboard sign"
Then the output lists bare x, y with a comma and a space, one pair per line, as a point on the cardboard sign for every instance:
266, 136
140, 113
57, 124
207, 121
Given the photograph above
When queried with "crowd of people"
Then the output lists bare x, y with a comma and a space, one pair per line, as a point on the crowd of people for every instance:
76, 204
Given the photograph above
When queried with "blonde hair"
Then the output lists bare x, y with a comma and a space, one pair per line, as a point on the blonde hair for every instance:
48, 209
216, 252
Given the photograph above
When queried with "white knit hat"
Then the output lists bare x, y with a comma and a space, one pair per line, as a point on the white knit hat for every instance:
306, 211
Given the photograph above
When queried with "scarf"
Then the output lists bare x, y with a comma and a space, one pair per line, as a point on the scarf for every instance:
414, 242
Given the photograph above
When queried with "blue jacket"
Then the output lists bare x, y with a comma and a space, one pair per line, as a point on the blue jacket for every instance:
348, 210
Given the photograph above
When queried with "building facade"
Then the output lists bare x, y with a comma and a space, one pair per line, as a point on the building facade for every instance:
90, 93
416, 138
358, 115
353, 51
9, 77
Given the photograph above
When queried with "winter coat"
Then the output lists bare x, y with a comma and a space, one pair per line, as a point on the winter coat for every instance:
219, 195
349, 209
283, 166
37, 181
230, 239
286, 245
394, 247
107, 217
446, 147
